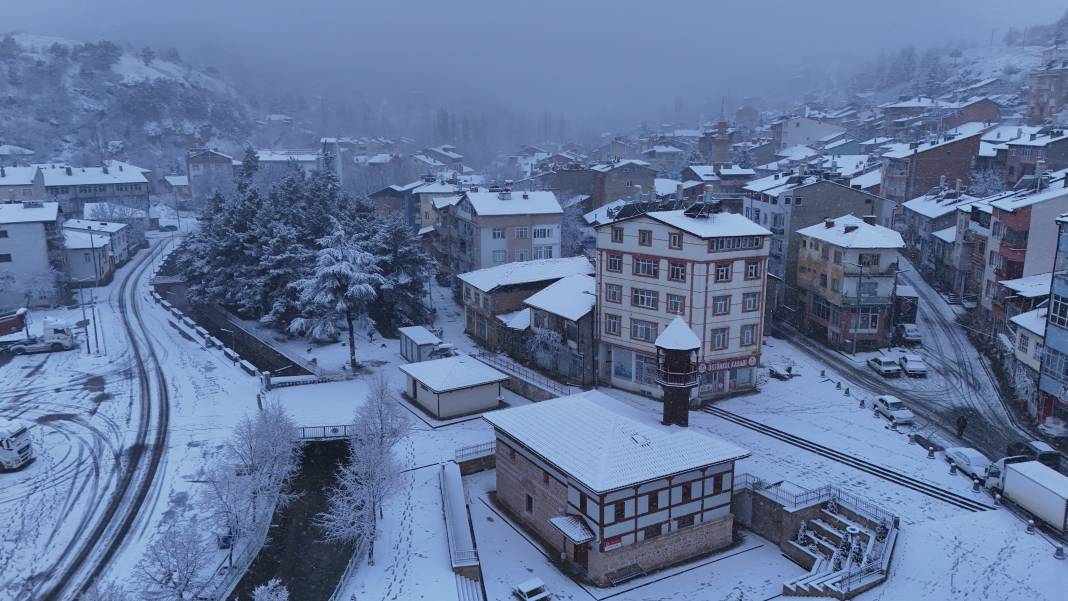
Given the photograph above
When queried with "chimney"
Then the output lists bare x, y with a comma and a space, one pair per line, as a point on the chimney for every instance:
2, 172
941, 182
707, 196
678, 192
637, 193
504, 194
104, 168
828, 223
69, 170
958, 187
869, 219
851, 228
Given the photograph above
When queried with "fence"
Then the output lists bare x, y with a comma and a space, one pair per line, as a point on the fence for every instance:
808, 497
525, 373
324, 432
483, 449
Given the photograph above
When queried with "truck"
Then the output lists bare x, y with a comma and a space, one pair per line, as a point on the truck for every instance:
1038, 489
55, 336
15, 448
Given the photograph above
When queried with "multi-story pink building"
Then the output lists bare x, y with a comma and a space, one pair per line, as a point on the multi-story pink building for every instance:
707, 267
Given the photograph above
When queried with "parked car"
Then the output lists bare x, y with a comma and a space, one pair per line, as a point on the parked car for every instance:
531, 590
908, 333
885, 366
168, 228
1035, 450
969, 461
913, 365
894, 409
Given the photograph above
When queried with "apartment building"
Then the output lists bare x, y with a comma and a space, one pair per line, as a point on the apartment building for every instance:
914, 168
925, 215
1027, 335
609, 492
31, 253
495, 227
705, 266
562, 324
122, 245
847, 273
209, 171
964, 266
114, 181
88, 258
1023, 230
1026, 154
1052, 402
21, 183
615, 180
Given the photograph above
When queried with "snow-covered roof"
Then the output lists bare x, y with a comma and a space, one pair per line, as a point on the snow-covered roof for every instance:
665, 186
526, 272
1033, 321
606, 167
284, 156
849, 231
707, 173
867, 180
1031, 286
453, 373
716, 225
938, 204
847, 164
600, 214
735, 170
1005, 133
18, 176
12, 150
117, 173
961, 132
798, 152
573, 527
440, 202
426, 229
538, 202
663, 149
177, 180
108, 227
571, 297
419, 335
947, 235
109, 210
906, 291
19, 212
437, 187
767, 182
1025, 198
516, 320
589, 437
678, 337
75, 240
1042, 140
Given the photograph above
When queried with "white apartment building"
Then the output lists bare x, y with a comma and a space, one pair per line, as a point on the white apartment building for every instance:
31, 251
709, 268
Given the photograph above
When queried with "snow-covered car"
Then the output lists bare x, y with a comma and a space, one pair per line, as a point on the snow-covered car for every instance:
913, 365
908, 333
885, 366
968, 460
531, 590
894, 410
1035, 450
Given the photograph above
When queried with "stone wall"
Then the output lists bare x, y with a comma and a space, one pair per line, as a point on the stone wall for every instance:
518, 477
665, 550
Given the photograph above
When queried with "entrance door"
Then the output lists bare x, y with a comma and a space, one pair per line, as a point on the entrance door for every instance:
582, 555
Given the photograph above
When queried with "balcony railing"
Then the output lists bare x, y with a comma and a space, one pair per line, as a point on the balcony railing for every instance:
676, 379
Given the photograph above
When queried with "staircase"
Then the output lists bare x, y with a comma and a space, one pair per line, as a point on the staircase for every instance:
468, 589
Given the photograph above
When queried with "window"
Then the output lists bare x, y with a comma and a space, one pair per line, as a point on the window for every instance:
676, 303
614, 262
611, 324
823, 280
687, 492
721, 305
749, 335
675, 240
521, 255
647, 367
868, 288
654, 502
735, 243
752, 270
1058, 311
751, 301
1023, 344
620, 508
676, 271
837, 257
522, 233
3, 233
543, 232
646, 299
717, 484
825, 252
723, 272
645, 237
617, 234
498, 233
651, 531
685, 521
643, 330
864, 319
5, 258
613, 293
644, 267
797, 201
836, 285
869, 259
86, 257
500, 256
543, 251
720, 337
530, 504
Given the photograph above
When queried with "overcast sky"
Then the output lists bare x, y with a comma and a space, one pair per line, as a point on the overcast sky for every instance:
573, 56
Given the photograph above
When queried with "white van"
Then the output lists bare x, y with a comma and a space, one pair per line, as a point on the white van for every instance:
15, 448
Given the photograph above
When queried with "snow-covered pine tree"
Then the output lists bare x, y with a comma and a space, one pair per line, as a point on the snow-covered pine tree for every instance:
342, 284
272, 590
404, 269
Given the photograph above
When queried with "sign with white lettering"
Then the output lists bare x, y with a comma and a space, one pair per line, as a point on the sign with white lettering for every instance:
732, 363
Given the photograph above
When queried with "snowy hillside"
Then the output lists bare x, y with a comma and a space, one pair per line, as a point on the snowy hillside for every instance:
83, 102
976, 64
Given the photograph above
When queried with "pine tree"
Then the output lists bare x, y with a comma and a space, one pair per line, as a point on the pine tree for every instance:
403, 266
341, 286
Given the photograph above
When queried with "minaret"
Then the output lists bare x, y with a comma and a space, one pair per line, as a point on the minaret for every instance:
676, 360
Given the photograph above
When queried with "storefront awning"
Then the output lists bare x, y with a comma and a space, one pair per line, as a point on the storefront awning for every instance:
573, 527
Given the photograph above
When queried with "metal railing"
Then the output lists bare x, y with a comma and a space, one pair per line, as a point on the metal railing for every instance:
524, 373
671, 378
325, 432
482, 449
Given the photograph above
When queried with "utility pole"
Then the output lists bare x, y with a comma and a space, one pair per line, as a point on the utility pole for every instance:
96, 284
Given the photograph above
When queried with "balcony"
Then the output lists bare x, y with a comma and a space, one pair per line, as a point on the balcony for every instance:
676, 379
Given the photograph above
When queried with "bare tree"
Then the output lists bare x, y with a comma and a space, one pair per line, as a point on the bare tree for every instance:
176, 563
984, 182
265, 450
114, 212
106, 591
573, 228
371, 473
272, 590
